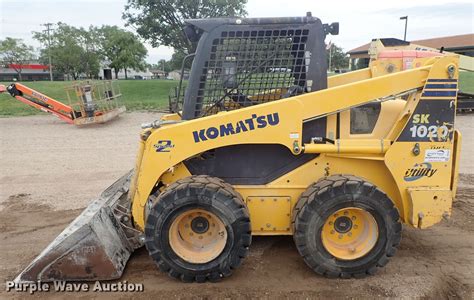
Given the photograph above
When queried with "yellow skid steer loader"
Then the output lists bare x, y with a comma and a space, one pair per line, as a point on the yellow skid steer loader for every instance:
262, 142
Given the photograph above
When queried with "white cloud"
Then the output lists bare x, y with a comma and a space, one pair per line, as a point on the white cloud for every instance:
360, 21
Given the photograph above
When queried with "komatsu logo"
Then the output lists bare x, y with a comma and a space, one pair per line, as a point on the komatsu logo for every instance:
249, 124
418, 171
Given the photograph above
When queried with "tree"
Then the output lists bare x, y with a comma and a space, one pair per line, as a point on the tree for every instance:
161, 22
164, 65
73, 50
122, 49
92, 54
339, 59
15, 53
176, 60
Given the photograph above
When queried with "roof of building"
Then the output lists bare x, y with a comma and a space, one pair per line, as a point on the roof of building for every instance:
157, 71
26, 69
29, 66
179, 71
448, 42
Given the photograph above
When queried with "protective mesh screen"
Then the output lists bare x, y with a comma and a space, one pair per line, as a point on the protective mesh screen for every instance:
246, 68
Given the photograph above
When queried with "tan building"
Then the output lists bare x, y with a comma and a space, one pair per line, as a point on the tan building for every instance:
176, 75
462, 44
158, 74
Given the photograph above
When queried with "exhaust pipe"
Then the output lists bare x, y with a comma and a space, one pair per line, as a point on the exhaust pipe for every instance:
95, 246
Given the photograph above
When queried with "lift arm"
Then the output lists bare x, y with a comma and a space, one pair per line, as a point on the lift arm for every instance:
39, 101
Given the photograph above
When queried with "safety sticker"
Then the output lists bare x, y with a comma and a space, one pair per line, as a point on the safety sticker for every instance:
437, 155
294, 135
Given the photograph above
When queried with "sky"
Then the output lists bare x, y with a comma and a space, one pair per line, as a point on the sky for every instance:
360, 20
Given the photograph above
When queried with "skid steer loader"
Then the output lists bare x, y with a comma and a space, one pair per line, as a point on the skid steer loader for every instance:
264, 143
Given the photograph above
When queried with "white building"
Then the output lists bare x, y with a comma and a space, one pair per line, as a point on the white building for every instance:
131, 74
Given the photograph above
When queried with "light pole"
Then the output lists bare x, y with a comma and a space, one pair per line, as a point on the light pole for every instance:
406, 23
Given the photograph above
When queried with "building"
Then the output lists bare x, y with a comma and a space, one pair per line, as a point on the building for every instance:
158, 74
131, 74
176, 75
29, 72
461, 44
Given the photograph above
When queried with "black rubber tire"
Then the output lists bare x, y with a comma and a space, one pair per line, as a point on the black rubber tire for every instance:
208, 193
324, 198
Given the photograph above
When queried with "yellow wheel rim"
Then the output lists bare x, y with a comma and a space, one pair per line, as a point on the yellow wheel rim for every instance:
349, 233
197, 236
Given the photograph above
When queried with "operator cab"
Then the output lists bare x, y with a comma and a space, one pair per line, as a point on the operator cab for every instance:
240, 62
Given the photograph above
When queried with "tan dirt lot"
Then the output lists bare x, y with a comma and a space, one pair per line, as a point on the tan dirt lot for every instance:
50, 171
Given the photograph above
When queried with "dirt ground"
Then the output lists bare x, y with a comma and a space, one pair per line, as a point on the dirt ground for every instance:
50, 171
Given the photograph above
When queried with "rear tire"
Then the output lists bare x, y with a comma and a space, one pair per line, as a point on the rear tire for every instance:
345, 227
198, 229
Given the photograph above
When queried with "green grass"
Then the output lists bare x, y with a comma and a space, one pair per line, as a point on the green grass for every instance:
136, 95
466, 82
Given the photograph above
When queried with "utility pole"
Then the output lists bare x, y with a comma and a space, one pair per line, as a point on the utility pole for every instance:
48, 30
330, 55
406, 23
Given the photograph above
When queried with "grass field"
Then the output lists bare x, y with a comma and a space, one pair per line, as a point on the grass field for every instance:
466, 81
136, 94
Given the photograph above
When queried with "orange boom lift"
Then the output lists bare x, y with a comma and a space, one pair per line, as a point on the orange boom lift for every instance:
95, 102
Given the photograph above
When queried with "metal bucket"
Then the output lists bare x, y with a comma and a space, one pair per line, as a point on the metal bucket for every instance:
95, 246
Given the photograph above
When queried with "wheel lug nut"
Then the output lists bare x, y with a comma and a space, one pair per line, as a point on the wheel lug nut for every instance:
341, 236
330, 223
349, 234
355, 226
200, 237
352, 250
346, 213
332, 232
190, 233
353, 218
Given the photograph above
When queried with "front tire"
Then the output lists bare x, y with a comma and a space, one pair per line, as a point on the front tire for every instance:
345, 227
198, 229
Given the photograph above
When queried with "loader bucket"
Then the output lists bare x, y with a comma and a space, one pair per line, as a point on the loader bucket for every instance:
95, 246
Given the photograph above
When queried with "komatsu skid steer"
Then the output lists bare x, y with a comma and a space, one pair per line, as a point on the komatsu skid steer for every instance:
264, 143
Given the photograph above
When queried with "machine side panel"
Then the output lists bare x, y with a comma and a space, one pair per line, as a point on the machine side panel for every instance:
255, 164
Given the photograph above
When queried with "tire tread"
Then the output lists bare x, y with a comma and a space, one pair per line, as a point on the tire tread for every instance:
198, 184
323, 190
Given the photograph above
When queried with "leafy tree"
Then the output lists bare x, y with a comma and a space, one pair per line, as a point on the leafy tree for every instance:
164, 65
176, 60
92, 55
339, 59
161, 21
73, 50
122, 49
14, 52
